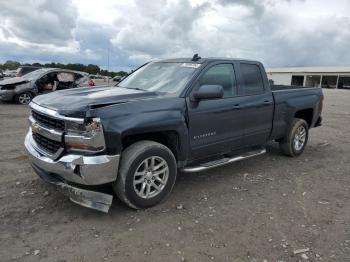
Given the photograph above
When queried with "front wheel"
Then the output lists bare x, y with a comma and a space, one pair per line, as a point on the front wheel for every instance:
296, 139
146, 175
24, 98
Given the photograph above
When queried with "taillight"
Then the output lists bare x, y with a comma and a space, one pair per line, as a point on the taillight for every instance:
321, 103
18, 74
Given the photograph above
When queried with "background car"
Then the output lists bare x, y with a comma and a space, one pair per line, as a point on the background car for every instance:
118, 78
23, 70
10, 73
100, 79
22, 89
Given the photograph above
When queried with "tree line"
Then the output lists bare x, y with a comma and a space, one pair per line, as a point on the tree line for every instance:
90, 68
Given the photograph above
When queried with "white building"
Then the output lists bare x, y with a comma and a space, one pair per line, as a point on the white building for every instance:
327, 77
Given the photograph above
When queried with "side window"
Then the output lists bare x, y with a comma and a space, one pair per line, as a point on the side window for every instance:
252, 79
223, 75
78, 76
65, 77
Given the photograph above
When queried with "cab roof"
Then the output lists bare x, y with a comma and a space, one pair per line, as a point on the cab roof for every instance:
204, 60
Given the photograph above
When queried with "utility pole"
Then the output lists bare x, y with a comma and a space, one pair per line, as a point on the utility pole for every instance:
108, 62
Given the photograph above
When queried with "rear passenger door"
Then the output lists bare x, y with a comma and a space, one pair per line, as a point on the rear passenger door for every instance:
257, 105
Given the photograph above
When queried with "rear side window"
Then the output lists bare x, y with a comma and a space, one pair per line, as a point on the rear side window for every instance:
65, 77
223, 75
252, 79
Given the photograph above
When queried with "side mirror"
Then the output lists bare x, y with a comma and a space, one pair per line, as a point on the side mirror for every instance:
208, 92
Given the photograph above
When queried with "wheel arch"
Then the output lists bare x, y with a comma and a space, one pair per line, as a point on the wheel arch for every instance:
17, 94
305, 114
169, 138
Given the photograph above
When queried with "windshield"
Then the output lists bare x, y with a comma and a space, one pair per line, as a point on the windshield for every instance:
161, 77
34, 75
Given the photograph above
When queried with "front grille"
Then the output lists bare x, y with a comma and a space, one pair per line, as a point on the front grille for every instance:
48, 121
49, 145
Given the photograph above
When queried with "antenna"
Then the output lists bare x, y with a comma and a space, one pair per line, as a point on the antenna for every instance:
196, 57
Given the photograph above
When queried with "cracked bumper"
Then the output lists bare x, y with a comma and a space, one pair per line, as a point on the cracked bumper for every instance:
87, 198
78, 169
85, 170
7, 95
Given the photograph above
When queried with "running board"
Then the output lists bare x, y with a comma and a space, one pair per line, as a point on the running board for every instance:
224, 161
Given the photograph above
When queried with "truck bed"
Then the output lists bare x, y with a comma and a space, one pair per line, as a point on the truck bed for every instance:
289, 99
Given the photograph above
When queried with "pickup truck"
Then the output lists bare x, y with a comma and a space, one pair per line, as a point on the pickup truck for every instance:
173, 115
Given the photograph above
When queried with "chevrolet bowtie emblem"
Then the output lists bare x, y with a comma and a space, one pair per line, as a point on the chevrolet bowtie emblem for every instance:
35, 127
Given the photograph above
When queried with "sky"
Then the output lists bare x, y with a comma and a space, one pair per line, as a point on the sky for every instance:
122, 34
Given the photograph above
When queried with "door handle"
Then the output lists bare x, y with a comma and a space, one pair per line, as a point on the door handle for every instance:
237, 106
267, 102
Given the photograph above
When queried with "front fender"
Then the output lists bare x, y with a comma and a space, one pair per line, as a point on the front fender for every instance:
25, 87
143, 117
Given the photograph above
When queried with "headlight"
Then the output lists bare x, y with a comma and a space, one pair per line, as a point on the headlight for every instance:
7, 87
93, 125
14, 86
75, 127
87, 136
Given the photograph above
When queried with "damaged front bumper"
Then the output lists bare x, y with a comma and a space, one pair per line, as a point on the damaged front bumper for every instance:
87, 198
73, 173
7, 95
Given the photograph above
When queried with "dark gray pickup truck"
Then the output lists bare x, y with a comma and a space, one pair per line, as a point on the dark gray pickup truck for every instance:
178, 114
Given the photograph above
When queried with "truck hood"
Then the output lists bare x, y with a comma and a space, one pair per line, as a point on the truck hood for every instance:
76, 102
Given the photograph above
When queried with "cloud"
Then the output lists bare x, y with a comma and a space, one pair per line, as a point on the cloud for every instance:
256, 6
158, 30
278, 33
40, 21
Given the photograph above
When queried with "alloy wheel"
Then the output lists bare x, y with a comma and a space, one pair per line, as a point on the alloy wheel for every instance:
24, 99
299, 138
151, 177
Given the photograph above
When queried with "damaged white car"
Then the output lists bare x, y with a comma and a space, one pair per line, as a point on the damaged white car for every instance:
22, 89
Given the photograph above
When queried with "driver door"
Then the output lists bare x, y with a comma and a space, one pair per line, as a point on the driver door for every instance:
216, 125
45, 83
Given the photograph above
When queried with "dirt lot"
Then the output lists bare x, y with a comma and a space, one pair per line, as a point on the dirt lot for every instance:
261, 209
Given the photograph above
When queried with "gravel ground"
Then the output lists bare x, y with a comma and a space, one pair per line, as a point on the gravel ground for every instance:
260, 209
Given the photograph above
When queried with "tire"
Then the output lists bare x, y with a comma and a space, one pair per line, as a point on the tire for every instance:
133, 168
288, 145
24, 98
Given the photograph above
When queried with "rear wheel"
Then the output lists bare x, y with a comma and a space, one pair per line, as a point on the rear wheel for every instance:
296, 139
146, 175
24, 98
